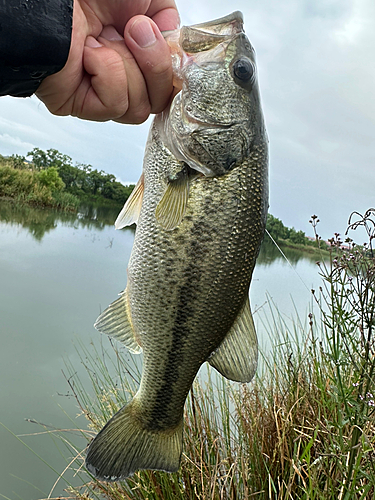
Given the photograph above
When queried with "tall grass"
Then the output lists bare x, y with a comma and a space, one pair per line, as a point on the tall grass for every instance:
65, 201
304, 429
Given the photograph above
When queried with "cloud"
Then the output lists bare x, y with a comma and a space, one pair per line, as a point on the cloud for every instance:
9, 144
317, 74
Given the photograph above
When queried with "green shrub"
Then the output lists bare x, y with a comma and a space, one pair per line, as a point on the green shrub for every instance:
19, 162
43, 187
15, 183
39, 195
50, 178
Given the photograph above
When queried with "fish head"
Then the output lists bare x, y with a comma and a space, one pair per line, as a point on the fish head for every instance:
216, 116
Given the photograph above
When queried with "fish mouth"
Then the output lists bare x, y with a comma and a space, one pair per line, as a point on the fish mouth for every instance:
196, 123
192, 120
201, 43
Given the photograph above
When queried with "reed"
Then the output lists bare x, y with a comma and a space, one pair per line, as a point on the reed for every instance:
65, 201
303, 429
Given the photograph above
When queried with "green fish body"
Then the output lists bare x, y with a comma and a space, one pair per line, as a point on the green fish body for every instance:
200, 208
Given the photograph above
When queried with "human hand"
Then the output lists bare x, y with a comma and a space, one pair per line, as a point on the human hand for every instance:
119, 65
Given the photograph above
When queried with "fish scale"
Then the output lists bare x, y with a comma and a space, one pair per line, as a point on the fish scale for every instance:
200, 208
201, 286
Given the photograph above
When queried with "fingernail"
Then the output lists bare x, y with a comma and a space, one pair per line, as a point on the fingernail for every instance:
111, 34
142, 33
92, 42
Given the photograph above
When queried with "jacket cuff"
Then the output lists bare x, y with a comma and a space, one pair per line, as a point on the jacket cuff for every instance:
34, 43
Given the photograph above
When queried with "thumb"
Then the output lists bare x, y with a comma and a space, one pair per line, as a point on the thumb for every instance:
144, 39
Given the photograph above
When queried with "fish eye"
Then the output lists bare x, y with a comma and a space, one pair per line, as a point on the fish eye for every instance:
244, 70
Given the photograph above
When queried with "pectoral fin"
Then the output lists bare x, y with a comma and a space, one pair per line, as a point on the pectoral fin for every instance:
171, 208
132, 208
116, 322
237, 356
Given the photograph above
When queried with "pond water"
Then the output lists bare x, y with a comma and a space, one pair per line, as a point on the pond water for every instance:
57, 273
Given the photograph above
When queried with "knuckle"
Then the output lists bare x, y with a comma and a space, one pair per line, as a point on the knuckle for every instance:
140, 113
159, 106
120, 107
161, 69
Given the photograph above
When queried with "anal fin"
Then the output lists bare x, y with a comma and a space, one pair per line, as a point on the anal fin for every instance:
237, 356
116, 322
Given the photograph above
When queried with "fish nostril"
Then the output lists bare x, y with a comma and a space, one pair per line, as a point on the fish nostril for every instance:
230, 163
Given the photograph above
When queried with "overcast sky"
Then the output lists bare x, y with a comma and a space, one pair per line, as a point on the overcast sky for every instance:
316, 61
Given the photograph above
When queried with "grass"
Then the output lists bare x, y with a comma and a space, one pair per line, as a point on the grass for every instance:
65, 201
52, 181
307, 248
303, 429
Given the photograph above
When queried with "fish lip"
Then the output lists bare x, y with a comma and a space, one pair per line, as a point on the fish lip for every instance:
193, 120
212, 125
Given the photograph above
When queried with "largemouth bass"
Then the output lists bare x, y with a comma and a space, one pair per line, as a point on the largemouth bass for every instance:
200, 208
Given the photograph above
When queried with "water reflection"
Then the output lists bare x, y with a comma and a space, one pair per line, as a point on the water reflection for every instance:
269, 253
40, 221
51, 292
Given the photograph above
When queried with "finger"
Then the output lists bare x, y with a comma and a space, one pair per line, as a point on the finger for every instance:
152, 54
164, 13
167, 19
102, 93
139, 107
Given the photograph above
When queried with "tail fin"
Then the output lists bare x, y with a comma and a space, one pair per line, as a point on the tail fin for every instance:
124, 446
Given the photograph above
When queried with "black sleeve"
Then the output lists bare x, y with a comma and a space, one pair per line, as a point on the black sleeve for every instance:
34, 42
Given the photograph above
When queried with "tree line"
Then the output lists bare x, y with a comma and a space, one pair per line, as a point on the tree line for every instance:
79, 179
58, 178
281, 233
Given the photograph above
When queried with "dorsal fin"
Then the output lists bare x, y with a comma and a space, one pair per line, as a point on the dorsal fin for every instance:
132, 208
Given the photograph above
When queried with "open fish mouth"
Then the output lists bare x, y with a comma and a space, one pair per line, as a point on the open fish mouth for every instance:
201, 43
